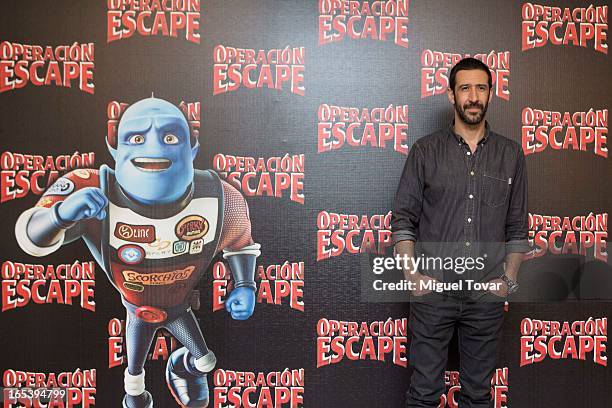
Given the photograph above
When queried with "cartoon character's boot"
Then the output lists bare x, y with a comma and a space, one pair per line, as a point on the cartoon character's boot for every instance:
135, 394
186, 377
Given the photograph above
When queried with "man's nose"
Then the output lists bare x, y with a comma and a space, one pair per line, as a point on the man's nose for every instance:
473, 95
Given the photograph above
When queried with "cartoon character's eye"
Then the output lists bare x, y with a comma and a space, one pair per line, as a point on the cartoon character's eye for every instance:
170, 139
136, 139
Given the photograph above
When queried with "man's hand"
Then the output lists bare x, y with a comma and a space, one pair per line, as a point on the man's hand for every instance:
406, 248
503, 288
241, 303
420, 280
86, 203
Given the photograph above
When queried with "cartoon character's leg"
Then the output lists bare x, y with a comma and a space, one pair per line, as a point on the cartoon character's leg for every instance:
139, 335
187, 366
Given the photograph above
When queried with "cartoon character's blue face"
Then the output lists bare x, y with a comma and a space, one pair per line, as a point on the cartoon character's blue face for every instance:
154, 156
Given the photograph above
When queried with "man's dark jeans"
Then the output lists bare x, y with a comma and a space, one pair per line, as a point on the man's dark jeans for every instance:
432, 323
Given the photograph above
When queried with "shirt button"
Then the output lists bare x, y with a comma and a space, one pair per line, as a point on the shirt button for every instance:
469, 153
469, 220
471, 196
467, 243
471, 173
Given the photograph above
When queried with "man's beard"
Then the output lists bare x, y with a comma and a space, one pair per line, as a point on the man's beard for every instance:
473, 119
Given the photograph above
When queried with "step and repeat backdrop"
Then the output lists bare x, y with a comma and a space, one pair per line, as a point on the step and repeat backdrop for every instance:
309, 109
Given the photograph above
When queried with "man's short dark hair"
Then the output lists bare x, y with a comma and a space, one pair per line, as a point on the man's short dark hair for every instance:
467, 64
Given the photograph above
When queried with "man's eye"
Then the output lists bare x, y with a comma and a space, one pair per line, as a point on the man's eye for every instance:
136, 139
170, 139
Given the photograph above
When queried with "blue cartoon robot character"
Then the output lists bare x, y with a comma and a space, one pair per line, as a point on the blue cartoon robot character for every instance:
154, 225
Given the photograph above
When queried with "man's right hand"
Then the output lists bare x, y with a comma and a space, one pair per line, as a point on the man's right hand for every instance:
406, 248
419, 279
86, 203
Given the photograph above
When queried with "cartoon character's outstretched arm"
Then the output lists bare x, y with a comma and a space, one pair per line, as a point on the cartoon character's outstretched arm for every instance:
73, 198
240, 252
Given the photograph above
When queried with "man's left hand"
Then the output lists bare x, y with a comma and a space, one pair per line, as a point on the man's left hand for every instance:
503, 288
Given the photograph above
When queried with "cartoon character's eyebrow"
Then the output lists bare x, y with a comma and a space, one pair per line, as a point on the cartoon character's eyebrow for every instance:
142, 124
168, 122
136, 125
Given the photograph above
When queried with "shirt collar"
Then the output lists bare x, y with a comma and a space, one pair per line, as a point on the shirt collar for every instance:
460, 139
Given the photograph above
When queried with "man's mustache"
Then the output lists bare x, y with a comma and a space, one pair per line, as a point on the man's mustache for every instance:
473, 105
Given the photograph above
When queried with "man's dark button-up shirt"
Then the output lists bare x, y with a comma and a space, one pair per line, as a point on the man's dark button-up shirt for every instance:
457, 203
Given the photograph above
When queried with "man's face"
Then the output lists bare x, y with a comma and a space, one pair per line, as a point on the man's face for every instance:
471, 95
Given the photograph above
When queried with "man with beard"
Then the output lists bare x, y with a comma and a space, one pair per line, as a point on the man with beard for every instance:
462, 196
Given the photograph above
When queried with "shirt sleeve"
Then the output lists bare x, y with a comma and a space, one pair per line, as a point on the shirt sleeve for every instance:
517, 217
409, 198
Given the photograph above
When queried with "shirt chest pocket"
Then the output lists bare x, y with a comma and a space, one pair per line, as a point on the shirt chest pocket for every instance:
495, 189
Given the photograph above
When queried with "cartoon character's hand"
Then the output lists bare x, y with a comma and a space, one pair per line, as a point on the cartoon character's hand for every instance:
241, 303
86, 203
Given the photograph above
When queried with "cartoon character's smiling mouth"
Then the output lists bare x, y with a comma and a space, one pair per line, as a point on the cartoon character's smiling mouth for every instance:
151, 164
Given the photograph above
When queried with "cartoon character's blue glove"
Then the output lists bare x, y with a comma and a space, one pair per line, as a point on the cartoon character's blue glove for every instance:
241, 303
86, 203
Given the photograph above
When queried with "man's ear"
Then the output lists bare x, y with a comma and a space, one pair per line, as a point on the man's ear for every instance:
112, 151
451, 95
194, 150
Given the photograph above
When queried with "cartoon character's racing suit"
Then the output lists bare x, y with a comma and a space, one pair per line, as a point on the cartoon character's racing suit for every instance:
154, 256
